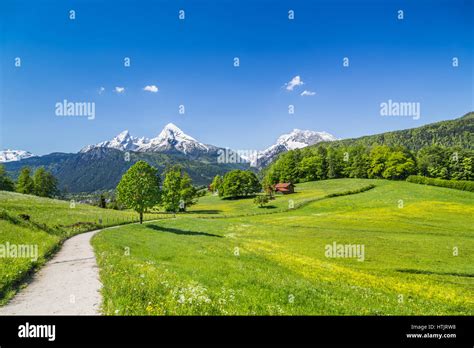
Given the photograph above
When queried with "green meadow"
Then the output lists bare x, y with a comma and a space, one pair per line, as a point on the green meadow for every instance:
229, 257
214, 207
45, 223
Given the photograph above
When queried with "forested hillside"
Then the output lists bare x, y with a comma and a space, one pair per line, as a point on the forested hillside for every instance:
102, 168
458, 132
439, 150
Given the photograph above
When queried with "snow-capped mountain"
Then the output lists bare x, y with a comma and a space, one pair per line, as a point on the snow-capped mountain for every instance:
124, 142
171, 138
14, 155
296, 139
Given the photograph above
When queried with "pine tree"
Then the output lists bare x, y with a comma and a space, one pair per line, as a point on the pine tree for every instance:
6, 184
25, 183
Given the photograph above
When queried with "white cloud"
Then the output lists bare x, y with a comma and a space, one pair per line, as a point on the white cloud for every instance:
307, 93
119, 89
295, 81
101, 90
151, 88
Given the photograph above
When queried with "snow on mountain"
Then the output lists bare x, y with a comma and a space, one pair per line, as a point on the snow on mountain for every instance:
124, 142
14, 155
296, 139
170, 138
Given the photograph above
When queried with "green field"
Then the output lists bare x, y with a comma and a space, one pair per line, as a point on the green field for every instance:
50, 223
212, 206
229, 257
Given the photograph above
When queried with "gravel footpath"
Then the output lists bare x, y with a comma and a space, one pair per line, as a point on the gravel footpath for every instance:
67, 285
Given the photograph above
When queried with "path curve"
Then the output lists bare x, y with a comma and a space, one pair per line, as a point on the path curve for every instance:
67, 285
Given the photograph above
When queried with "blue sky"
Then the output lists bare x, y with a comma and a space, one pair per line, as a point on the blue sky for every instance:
191, 63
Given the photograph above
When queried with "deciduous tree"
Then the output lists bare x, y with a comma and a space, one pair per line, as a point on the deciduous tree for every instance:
139, 188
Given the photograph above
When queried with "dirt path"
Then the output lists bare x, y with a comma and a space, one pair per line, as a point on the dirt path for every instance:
67, 285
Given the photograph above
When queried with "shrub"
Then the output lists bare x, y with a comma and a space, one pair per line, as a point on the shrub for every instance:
25, 217
261, 200
351, 192
463, 185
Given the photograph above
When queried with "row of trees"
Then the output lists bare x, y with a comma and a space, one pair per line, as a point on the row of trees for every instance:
378, 161
42, 183
140, 190
236, 183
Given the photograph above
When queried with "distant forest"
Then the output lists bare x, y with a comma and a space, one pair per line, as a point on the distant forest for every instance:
440, 150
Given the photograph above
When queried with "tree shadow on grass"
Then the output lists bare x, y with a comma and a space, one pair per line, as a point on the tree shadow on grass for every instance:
268, 207
183, 232
418, 271
204, 211
236, 198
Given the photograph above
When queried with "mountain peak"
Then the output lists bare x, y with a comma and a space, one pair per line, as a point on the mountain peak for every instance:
9, 155
173, 139
173, 127
296, 139
173, 131
124, 134
170, 138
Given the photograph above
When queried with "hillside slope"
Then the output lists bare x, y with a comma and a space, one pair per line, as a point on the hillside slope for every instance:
457, 132
102, 168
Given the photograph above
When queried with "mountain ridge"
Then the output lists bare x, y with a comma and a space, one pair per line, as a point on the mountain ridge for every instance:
454, 132
101, 168
296, 139
173, 139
